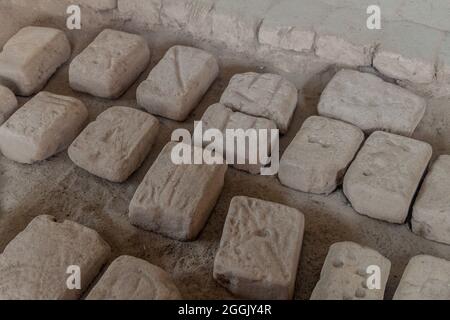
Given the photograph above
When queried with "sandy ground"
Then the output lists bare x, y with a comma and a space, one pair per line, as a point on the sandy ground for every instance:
59, 188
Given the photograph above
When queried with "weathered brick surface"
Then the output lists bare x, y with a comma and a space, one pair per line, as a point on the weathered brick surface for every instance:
191, 16
345, 274
425, 278
31, 57
175, 86
141, 13
129, 278
110, 64
291, 26
262, 95
44, 126
382, 180
34, 264
8, 104
235, 23
408, 51
431, 212
222, 118
176, 199
371, 103
343, 38
116, 144
317, 158
260, 249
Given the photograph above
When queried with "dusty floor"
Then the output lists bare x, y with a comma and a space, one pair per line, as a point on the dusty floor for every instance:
59, 188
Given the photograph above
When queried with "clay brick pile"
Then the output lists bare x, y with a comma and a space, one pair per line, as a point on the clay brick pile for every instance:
361, 139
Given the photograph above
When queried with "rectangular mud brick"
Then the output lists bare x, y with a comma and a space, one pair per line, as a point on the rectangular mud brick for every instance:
31, 57
8, 104
346, 271
115, 144
178, 82
222, 118
176, 199
44, 126
260, 249
262, 95
372, 104
385, 175
431, 211
317, 158
129, 278
110, 64
425, 278
34, 265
